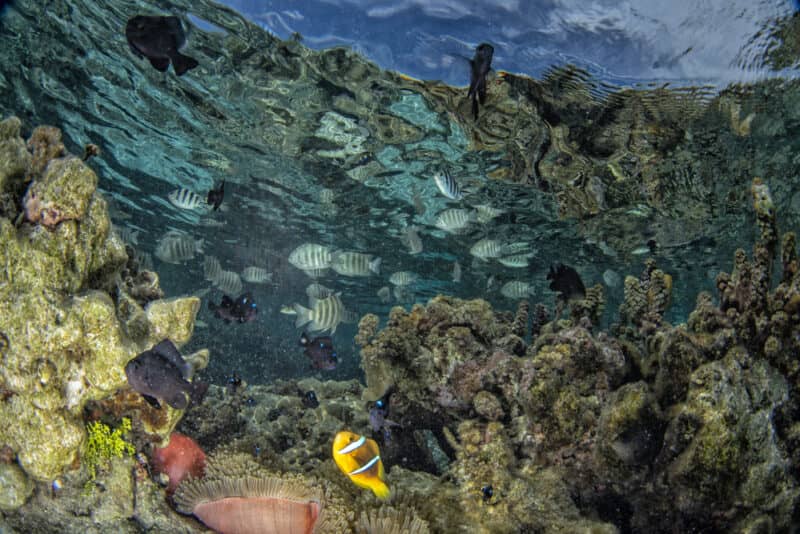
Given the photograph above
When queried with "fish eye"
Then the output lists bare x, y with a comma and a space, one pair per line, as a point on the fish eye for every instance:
379, 403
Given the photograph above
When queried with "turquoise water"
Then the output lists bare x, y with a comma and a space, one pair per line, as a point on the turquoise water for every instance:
322, 146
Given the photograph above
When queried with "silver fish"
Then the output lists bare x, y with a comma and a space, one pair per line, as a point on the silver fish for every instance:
447, 185
487, 248
403, 278
516, 289
177, 247
411, 240
314, 274
516, 261
256, 275
485, 213
211, 268
326, 314
318, 291
186, 199
311, 256
454, 220
349, 263
228, 282
127, 234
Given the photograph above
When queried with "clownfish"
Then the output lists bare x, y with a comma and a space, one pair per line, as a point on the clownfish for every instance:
359, 458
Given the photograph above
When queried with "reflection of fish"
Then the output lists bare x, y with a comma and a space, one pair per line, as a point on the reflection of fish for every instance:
566, 281
320, 351
481, 65
241, 310
159, 39
359, 458
162, 373
448, 185
215, 196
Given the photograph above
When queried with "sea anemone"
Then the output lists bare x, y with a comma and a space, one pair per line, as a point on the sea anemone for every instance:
251, 505
181, 458
390, 521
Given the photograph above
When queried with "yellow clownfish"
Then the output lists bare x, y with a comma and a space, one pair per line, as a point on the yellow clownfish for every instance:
359, 458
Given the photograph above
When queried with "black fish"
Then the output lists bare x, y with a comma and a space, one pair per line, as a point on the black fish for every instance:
215, 196
320, 351
566, 281
162, 373
310, 399
159, 39
481, 65
378, 420
241, 310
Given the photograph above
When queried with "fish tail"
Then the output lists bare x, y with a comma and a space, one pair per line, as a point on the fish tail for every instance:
375, 266
303, 315
380, 489
183, 63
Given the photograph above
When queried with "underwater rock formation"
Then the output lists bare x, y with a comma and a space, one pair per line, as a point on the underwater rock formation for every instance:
64, 340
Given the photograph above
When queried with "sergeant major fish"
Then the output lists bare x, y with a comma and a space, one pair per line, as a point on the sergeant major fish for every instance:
355, 263
185, 199
162, 373
311, 256
325, 314
177, 247
159, 39
447, 185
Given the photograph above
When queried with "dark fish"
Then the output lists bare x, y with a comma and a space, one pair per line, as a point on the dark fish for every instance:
566, 281
162, 373
378, 420
215, 196
320, 351
481, 65
159, 39
241, 310
310, 399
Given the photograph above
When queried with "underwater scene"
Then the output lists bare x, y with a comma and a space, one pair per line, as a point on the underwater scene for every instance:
399, 267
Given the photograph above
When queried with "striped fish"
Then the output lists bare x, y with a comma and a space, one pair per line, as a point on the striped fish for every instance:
454, 220
256, 275
355, 263
186, 200
325, 314
228, 282
177, 247
318, 291
403, 278
448, 185
315, 274
311, 256
516, 289
486, 213
516, 261
487, 248
211, 268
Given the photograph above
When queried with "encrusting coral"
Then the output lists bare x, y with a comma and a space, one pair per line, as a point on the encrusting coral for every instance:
64, 342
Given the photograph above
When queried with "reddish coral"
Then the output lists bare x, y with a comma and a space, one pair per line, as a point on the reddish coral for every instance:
181, 458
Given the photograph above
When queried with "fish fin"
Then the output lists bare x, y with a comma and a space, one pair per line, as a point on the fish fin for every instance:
183, 63
380, 489
303, 315
168, 350
375, 266
152, 401
159, 63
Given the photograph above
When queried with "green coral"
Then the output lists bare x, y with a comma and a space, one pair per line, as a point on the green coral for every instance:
104, 444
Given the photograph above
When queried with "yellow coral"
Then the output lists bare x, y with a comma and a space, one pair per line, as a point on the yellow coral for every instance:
104, 444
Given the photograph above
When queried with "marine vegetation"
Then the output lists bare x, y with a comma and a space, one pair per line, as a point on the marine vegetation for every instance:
104, 444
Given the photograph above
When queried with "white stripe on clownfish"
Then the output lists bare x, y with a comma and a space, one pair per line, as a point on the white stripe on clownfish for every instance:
353, 446
366, 466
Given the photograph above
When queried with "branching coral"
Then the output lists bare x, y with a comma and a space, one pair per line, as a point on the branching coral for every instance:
104, 444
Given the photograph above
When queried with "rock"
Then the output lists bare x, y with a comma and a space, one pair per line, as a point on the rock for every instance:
15, 487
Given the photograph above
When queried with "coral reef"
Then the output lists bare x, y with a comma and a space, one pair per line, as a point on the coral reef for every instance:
104, 444
64, 340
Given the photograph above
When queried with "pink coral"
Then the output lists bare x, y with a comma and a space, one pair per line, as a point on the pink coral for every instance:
181, 458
